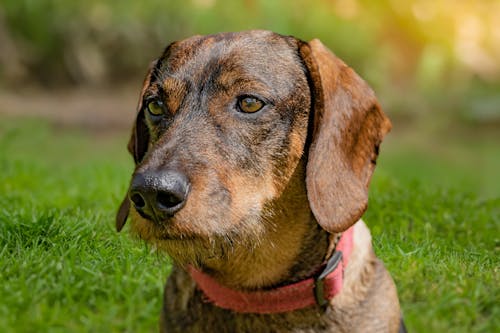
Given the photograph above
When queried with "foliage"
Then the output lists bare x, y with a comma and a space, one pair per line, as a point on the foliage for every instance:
423, 57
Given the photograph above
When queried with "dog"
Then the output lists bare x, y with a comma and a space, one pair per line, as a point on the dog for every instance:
253, 154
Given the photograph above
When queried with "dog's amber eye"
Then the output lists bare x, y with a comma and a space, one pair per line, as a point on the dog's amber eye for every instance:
250, 104
156, 108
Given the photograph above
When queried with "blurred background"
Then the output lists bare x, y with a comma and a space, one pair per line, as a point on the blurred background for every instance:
70, 77
434, 64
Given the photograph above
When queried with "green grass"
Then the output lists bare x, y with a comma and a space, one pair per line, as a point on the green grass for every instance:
63, 268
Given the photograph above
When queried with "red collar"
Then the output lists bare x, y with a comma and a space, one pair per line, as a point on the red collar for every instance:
316, 290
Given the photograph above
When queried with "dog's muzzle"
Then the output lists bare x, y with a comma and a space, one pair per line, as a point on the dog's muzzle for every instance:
159, 195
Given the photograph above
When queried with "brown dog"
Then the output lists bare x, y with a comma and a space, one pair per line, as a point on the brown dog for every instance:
253, 156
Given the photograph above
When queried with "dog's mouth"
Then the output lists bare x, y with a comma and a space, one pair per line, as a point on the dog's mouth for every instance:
170, 229
178, 237
155, 220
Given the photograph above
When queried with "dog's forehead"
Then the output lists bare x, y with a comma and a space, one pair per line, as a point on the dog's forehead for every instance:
261, 54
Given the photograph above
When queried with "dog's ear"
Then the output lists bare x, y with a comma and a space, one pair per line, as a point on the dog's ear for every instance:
137, 146
347, 129
139, 140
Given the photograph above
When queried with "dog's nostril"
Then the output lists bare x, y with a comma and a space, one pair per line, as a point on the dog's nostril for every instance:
138, 200
168, 199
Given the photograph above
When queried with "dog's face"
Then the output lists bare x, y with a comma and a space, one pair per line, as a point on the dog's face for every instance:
226, 115
221, 128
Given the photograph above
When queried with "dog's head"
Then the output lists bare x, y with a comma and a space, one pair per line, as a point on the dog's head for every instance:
226, 122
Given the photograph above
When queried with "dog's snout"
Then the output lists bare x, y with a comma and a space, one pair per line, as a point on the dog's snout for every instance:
159, 195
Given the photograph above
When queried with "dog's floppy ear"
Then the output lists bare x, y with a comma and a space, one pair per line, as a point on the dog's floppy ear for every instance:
139, 140
348, 127
137, 146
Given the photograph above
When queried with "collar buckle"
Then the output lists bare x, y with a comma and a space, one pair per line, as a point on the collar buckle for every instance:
319, 282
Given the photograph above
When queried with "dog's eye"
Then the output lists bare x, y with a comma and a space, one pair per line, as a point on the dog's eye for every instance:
249, 104
156, 108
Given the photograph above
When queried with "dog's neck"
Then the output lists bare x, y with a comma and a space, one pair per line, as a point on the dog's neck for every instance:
292, 248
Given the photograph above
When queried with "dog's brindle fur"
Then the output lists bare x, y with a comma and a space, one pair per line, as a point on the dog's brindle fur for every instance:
266, 188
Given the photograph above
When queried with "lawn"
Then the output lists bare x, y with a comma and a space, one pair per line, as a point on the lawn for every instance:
434, 214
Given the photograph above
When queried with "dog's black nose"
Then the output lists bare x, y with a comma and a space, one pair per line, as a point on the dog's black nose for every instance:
159, 195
